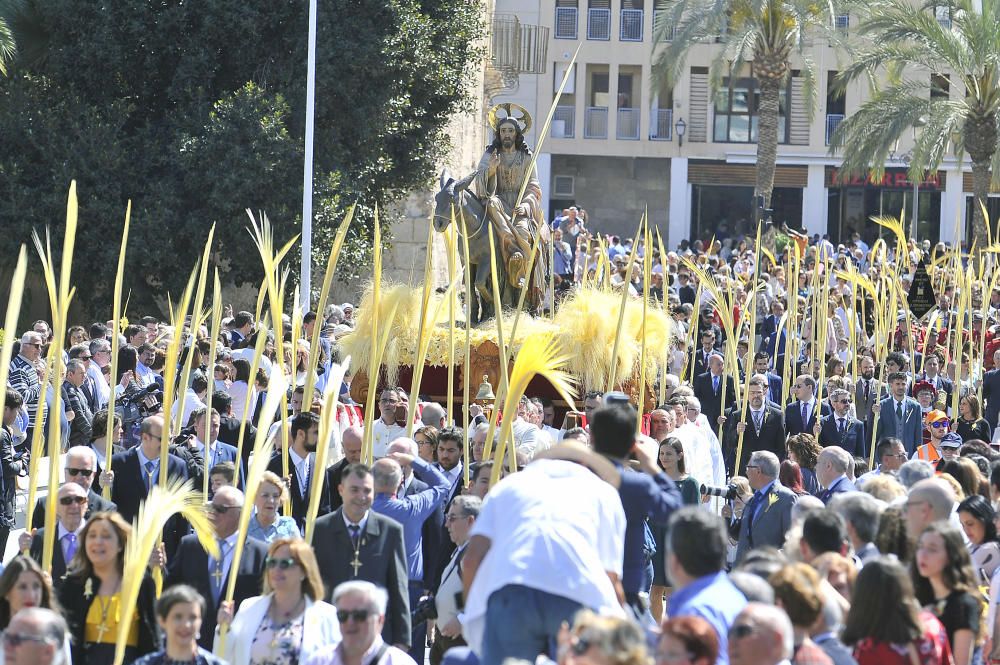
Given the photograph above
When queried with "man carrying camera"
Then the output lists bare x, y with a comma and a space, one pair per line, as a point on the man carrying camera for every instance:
768, 515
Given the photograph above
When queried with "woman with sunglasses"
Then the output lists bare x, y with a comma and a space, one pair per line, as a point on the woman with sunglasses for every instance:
91, 595
179, 611
290, 622
266, 525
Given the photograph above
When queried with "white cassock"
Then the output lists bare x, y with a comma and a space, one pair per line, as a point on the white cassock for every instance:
702, 455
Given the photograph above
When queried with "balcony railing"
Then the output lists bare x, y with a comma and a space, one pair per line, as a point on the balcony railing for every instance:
833, 121
563, 122
628, 124
671, 31
567, 19
599, 24
595, 122
630, 29
663, 125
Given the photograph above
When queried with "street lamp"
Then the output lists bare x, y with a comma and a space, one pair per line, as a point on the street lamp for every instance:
681, 128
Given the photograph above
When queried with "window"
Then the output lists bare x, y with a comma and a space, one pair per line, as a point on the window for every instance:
736, 107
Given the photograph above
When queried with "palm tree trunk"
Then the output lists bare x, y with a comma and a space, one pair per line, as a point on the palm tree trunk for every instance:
767, 137
980, 191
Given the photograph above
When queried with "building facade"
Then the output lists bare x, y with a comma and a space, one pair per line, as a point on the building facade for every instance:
620, 145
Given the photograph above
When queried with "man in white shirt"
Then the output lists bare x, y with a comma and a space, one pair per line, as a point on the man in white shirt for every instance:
525, 433
549, 541
385, 430
70, 508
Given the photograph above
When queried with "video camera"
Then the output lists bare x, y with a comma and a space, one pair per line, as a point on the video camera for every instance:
728, 493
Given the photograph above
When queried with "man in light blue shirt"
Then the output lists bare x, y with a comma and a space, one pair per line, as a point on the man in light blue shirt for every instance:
696, 559
410, 511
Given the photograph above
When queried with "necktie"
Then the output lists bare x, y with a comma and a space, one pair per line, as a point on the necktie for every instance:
899, 411
355, 533
304, 485
842, 426
715, 384
217, 573
756, 421
70, 540
150, 471
805, 414
758, 499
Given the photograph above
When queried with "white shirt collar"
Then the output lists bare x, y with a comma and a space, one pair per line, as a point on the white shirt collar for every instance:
363, 523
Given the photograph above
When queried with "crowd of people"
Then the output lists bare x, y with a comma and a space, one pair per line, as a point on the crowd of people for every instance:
839, 511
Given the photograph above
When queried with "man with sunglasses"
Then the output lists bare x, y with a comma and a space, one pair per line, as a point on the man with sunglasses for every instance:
35, 636
939, 426
840, 429
385, 430
27, 375
192, 565
80, 469
71, 506
361, 611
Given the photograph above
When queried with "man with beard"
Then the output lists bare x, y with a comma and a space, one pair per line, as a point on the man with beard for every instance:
762, 428
866, 393
502, 170
301, 465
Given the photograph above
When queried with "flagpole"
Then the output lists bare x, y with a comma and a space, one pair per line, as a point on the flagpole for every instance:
305, 289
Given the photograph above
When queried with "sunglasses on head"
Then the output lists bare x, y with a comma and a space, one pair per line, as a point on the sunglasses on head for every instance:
70, 500
283, 564
356, 615
86, 473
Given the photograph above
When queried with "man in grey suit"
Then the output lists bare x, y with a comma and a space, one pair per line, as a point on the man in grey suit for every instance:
866, 396
768, 515
899, 416
354, 543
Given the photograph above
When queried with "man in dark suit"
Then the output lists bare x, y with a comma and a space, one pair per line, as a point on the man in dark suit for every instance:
76, 403
301, 465
699, 357
708, 390
350, 441
865, 394
991, 392
70, 509
355, 543
80, 468
210, 447
900, 416
762, 429
801, 415
192, 565
932, 375
768, 515
840, 429
831, 472
137, 469
762, 366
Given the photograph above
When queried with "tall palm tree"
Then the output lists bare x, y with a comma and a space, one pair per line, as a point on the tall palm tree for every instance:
766, 32
898, 37
6, 46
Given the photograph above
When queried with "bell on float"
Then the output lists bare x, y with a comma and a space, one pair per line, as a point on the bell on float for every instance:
485, 393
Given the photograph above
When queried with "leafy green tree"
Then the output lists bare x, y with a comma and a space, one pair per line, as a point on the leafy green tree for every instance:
903, 45
195, 111
766, 32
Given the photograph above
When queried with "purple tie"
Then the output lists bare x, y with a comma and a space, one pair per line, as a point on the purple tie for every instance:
70, 539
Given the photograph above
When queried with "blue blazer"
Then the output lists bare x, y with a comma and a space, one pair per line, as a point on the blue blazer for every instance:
852, 439
840, 486
911, 433
129, 488
793, 417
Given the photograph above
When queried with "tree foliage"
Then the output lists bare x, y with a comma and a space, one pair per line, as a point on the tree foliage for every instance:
195, 111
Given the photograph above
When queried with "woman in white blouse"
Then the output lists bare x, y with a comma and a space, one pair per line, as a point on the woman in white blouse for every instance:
290, 621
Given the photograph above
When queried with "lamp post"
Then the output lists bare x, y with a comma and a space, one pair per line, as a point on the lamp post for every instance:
681, 128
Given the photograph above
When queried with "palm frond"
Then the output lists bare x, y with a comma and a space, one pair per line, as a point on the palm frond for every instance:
163, 502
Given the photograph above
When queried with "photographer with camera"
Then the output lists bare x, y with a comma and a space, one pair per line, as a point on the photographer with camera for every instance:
768, 515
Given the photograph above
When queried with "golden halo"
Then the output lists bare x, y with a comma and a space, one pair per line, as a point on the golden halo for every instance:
523, 120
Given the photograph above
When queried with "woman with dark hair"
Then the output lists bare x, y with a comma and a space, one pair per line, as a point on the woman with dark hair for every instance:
179, 612
885, 624
91, 595
977, 517
804, 451
128, 358
971, 424
24, 584
965, 471
240, 386
687, 641
671, 460
427, 441
790, 475
944, 584
891, 538
76, 335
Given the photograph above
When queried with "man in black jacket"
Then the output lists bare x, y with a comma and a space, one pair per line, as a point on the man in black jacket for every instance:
209, 575
762, 428
80, 468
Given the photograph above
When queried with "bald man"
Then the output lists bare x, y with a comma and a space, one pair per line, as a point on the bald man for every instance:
351, 443
137, 469
929, 501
